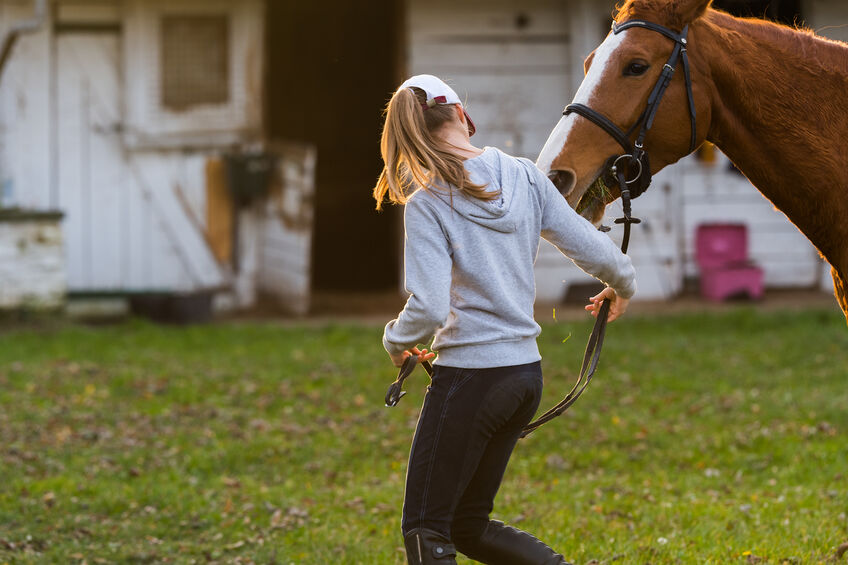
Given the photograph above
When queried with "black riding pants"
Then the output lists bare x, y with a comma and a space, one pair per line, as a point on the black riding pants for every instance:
467, 430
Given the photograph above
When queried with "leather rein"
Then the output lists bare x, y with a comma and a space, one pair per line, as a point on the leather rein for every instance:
634, 163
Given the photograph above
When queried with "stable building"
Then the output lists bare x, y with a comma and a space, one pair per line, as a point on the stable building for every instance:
141, 123
227, 150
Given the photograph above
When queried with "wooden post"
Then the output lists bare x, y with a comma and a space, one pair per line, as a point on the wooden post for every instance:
219, 211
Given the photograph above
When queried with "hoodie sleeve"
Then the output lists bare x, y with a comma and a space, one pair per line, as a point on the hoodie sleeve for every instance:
579, 240
427, 266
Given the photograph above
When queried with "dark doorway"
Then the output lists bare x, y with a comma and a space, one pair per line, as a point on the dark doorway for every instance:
783, 11
331, 67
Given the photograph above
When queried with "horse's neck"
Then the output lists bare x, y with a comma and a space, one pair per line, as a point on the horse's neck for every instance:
778, 113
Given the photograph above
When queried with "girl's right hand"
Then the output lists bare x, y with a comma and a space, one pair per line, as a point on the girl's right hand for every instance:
423, 355
618, 305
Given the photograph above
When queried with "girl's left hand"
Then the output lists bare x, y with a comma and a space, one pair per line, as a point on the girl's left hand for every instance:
423, 355
617, 307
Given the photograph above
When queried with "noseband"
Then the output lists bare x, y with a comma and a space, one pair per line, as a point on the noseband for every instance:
635, 158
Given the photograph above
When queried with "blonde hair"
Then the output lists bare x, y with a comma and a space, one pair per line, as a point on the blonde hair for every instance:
413, 156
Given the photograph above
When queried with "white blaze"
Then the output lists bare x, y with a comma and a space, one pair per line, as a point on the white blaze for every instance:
585, 95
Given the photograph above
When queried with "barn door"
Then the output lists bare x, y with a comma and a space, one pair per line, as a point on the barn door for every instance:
125, 228
92, 176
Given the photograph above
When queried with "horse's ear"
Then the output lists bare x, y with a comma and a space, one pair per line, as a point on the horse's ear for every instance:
691, 10
587, 62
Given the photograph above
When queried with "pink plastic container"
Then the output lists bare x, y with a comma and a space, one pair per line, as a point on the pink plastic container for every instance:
721, 251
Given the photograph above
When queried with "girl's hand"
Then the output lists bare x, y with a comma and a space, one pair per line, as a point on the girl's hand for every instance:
423, 355
617, 307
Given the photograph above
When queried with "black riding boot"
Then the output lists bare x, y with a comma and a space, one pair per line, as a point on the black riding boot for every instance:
427, 547
504, 545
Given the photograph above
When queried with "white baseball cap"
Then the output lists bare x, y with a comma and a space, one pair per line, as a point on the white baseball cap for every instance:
437, 92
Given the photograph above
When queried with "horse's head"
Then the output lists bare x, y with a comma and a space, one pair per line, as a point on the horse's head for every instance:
620, 75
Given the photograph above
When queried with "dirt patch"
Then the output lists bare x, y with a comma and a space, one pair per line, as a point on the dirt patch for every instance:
379, 307
690, 302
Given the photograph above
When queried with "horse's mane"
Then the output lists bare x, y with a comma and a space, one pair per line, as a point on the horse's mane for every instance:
791, 42
664, 12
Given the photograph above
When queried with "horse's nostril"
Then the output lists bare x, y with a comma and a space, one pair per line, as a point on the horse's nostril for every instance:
564, 180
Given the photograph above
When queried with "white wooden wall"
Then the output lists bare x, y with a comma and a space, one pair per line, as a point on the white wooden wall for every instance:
125, 226
286, 238
32, 263
25, 114
510, 60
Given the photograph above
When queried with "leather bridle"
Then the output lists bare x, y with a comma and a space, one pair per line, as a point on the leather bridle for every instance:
634, 163
637, 165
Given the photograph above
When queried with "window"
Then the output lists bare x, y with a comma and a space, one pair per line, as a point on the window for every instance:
193, 72
194, 61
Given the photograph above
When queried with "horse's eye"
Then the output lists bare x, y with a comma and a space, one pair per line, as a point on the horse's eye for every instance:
635, 68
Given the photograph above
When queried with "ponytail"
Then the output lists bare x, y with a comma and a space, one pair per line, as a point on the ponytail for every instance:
413, 157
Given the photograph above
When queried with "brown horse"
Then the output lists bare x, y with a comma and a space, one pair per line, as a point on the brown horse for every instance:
772, 98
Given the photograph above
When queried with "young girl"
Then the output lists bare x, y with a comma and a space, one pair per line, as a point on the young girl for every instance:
473, 220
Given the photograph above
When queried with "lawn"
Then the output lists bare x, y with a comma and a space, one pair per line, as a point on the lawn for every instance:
705, 438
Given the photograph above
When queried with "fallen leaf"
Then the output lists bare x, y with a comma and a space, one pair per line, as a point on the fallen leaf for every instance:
231, 482
840, 551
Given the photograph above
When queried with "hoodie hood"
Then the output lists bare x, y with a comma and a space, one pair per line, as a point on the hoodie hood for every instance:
497, 171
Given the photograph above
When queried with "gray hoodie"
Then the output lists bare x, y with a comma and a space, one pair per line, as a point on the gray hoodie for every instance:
469, 264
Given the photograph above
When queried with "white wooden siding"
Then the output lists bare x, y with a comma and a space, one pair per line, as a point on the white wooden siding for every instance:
125, 226
25, 115
510, 61
285, 265
286, 239
90, 172
32, 265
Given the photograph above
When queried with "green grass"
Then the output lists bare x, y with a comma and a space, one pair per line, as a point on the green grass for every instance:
705, 438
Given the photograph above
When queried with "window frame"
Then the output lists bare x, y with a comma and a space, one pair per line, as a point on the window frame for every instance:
177, 94
148, 123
